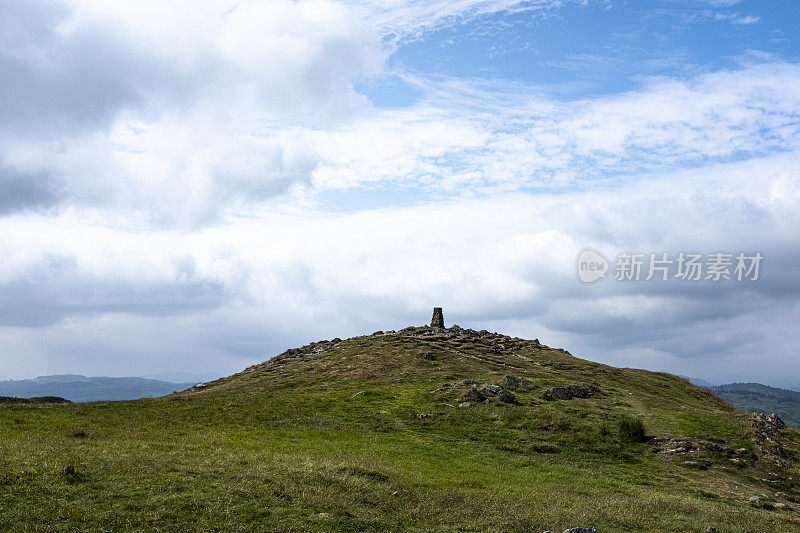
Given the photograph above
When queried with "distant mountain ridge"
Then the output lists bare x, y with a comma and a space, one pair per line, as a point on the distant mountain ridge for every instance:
755, 397
177, 376
78, 388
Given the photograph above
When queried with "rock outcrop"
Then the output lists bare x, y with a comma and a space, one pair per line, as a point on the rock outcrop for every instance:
569, 392
768, 435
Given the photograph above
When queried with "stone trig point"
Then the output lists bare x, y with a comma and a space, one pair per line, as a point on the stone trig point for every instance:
437, 322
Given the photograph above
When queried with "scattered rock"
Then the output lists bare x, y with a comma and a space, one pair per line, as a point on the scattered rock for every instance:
775, 421
767, 434
780, 505
711, 529
669, 446
465, 404
507, 396
424, 416
513, 382
475, 394
491, 390
569, 392
445, 387
581, 530
68, 470
324, 515
359, 393
753, 498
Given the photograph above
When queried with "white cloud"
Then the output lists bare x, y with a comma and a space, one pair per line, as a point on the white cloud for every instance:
244, 290
221, 107
749, 19
143, 112
736, 18
507, 136
406, 19
165, 177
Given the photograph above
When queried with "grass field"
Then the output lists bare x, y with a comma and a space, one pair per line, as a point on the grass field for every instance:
359, 435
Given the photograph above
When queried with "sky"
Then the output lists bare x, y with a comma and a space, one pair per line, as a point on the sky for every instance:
199, 185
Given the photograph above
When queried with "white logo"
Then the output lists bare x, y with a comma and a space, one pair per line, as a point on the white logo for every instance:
591, 266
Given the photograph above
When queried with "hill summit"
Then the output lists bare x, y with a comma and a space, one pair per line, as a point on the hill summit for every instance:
426, 429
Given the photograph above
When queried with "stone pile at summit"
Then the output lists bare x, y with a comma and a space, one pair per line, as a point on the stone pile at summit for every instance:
437, 322
501, 353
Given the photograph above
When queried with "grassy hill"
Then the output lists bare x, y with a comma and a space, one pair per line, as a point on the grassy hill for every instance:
755, 397
415, 430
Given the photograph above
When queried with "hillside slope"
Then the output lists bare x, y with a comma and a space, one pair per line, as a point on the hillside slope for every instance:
419, 430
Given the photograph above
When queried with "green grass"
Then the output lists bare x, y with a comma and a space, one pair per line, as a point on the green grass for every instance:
271, 448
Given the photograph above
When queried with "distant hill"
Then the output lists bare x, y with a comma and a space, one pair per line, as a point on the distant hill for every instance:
699, 382
79, 388
755, 397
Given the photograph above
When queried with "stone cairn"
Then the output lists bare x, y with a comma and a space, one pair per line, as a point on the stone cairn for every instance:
437, 322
